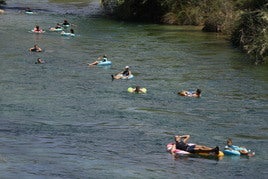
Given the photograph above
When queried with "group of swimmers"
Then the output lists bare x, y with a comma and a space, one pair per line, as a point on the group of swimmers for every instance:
126, 73
58, 27
181, 142
37, 29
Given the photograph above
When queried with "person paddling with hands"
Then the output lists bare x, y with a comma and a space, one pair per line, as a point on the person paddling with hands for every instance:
39, 61
35, 48
137, 90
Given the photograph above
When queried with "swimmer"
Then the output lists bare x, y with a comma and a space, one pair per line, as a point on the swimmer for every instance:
35, 48
99, 59
124, 74
196, 94
39, 61
181, 143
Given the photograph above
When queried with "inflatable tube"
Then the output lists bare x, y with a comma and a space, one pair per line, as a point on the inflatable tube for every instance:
177, 151
221, 154
185, 93
29, 12
103, 63
127, 78
53, 29
65, 26
67, 34
231, 152
38, 32
182, 152
236, 150
132, 90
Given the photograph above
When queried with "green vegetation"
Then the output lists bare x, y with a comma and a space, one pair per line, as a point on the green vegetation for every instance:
250, 33
2, 2
245, 21
135, 10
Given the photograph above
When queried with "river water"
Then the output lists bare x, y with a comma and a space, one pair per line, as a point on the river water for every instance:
63, 119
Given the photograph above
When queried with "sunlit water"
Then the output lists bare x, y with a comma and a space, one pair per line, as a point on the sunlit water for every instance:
63, 119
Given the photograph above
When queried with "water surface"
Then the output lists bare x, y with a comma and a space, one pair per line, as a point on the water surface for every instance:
63, 119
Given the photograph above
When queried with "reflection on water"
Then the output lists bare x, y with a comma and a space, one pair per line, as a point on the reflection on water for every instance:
63, 119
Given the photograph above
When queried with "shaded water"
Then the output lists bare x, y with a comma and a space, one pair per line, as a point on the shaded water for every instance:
65, 120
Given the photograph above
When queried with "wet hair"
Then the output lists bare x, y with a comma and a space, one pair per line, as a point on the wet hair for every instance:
72, 31
229, 141
137, 89
198, 91
38, 61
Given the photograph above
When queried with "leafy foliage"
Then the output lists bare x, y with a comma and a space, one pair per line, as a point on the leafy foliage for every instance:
251, 35
2, 2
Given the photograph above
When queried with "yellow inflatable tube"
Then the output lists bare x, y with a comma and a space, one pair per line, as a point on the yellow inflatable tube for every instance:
134, 90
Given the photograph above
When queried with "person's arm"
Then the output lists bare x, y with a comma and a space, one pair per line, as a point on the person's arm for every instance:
129, 73
185, 138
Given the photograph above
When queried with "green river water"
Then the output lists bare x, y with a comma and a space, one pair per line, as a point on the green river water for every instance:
63, 119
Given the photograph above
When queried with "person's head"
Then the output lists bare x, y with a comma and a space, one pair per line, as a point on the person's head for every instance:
177, 138
35, 45
65, 21
198, 91
72, 31
229, 142
39, 60
126, 67
137, 89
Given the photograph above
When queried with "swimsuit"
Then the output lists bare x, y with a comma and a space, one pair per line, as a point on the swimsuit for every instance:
125, 73
183, 146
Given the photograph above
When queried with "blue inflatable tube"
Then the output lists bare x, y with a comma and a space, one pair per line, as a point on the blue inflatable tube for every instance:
234, 150
67, 34
127, 78
231, 152
104, 63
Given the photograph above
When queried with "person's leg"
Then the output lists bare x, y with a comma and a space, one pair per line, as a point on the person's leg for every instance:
202, 147
118, 76
205, 149
94, 63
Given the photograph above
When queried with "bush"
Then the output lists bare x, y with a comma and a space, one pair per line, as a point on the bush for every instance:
2, 2
251, 35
